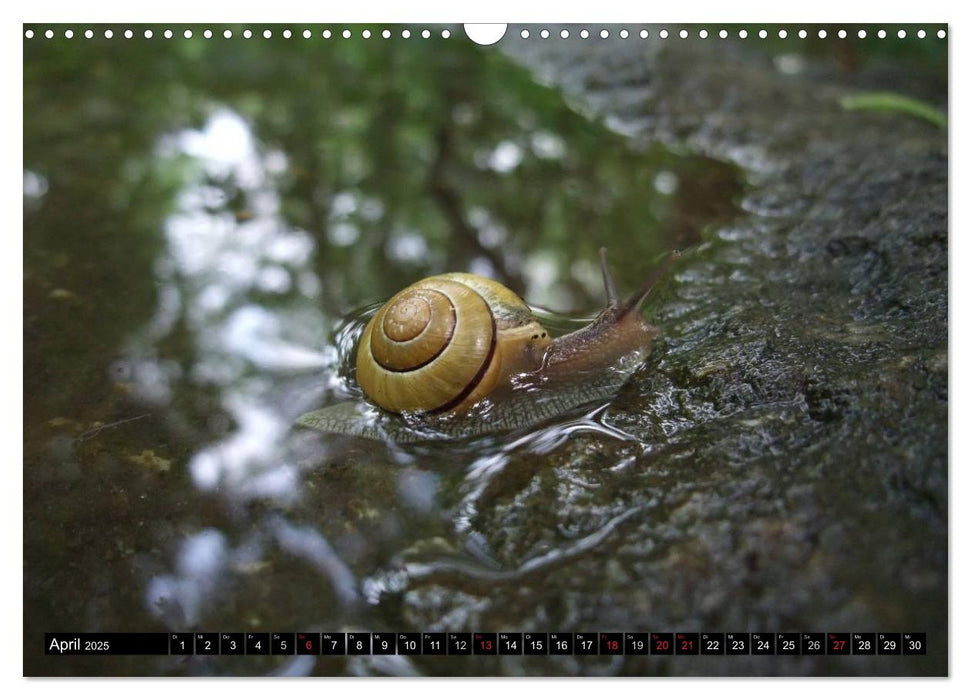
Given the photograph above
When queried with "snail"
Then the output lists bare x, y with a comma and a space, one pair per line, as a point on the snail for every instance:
459, 355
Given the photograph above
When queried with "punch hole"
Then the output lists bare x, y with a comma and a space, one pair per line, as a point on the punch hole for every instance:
287, 33
485, 34
109, 33
941, 34
88, 34
723, 34
822, 34
624, 34
644, 33
803, 33
29, 34
68, 34
584, 34
882, 34
545, 34
129, 33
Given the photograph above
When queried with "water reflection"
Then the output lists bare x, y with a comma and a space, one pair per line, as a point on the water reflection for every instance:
473, 577
310, 545
247, 461
214, 265
486, 471
35, 186
180, 597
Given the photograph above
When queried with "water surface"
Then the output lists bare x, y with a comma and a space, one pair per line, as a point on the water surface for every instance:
202, 219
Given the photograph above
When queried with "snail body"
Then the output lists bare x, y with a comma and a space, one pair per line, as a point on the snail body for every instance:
459, 355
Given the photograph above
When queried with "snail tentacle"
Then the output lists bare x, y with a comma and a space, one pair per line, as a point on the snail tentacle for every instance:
636, 301
610, 286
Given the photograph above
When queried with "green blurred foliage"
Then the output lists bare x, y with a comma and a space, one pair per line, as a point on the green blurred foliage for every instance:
436, 141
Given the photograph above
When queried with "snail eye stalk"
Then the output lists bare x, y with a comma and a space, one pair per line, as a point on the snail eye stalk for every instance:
610, 286
636, 300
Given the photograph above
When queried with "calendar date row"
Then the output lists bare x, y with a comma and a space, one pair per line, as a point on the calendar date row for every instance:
491, 643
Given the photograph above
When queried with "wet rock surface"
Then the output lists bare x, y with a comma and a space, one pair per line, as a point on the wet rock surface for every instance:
789, 466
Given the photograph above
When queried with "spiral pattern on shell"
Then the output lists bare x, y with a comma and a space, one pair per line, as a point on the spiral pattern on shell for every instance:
445, 342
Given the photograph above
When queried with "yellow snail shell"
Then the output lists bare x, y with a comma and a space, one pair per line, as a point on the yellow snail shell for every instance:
445, 343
